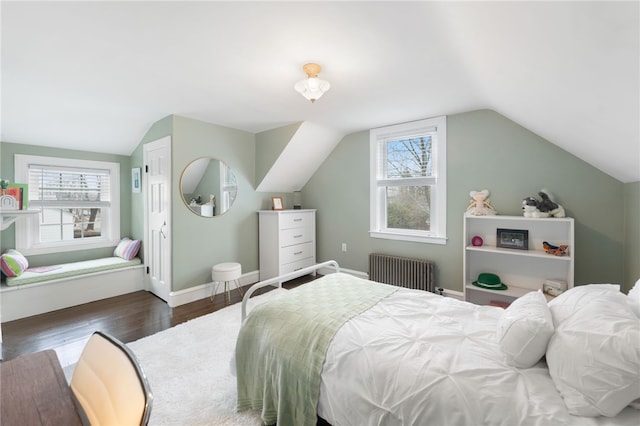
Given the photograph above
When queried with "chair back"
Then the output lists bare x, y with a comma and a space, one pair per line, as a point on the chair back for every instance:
109, 385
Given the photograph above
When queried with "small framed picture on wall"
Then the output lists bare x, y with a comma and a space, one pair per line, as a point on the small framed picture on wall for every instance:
276, 203
135, 180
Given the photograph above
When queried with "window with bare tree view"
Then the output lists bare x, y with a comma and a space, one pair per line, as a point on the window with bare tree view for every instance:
408, 183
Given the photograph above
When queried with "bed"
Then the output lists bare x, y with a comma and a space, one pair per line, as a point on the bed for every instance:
356, 352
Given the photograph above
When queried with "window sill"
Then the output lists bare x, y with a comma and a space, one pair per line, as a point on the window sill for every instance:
429, 239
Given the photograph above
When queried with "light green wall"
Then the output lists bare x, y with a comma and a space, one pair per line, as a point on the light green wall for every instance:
7, 237
484, 150
201, 242
632, 234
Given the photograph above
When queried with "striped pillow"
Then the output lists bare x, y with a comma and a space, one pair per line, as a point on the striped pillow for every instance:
13, 263
127, 248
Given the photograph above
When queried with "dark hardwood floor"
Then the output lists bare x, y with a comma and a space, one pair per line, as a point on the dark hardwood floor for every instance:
128, 318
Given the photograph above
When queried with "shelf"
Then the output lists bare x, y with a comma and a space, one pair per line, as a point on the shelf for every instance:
7, 217
526, 269
512, 291
515, 252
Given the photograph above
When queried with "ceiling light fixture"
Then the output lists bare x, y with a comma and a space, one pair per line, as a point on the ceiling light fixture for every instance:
312, 87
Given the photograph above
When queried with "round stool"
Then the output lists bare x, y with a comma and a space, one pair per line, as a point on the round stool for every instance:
226, 273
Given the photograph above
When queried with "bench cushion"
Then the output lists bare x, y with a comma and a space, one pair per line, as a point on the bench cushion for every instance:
71, 269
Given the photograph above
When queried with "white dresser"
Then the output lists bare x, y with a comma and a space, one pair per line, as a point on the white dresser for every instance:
287, 241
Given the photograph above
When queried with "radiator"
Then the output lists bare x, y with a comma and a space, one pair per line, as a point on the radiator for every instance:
402, 271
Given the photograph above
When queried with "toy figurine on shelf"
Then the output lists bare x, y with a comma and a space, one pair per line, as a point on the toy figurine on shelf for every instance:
560, 250
543, 207
480, 205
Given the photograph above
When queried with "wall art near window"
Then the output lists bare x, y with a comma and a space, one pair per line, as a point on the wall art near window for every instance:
136, 179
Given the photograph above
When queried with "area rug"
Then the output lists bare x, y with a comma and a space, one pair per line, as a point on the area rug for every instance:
188, 368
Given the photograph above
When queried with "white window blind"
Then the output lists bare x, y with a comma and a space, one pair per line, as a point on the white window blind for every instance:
69, 187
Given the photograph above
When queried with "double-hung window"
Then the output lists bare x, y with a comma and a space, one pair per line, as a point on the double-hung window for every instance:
408, 181
78, 203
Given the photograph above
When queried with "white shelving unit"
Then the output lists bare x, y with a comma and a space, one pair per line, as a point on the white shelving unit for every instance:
7, 217
521, 270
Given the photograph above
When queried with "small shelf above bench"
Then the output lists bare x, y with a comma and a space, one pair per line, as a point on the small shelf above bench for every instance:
7, 217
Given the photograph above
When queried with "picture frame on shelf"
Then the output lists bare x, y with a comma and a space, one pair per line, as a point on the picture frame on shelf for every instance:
512, 238
277, 203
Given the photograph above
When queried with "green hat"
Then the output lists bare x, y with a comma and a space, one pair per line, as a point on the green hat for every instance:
489, 281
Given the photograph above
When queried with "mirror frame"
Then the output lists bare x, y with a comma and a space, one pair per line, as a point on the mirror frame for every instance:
188, 203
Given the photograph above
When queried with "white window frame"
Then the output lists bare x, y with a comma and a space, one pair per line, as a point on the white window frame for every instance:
438, 232
226, 188
28, 231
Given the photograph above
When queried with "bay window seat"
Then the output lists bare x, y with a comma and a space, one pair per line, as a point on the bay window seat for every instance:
48, 288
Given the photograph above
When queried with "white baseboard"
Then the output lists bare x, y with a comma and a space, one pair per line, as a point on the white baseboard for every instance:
453, 294
359, 274
191, 294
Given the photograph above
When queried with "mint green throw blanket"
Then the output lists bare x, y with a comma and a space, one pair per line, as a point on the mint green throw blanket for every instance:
282, 345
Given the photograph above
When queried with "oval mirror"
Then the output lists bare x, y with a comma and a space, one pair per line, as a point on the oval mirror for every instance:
208, 187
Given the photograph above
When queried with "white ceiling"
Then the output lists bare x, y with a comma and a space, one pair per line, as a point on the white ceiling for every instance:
95, 75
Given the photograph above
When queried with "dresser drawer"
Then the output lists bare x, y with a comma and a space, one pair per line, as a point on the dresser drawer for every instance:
297, 252
290, 237
295, 266
297, 220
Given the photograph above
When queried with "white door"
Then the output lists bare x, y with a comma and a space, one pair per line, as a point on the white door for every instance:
157, 253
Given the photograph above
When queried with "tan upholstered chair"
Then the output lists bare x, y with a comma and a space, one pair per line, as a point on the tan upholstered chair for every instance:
109, 385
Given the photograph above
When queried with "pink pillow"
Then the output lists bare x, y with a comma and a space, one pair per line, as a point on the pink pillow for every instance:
13, 263
127, 248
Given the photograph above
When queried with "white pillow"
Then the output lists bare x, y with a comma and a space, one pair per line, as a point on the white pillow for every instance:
564, 305
634, 298
594, 354
525, 329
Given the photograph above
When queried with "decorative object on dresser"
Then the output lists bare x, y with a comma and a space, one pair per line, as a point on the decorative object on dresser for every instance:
521, 270
276, 203
287, 241
297, 200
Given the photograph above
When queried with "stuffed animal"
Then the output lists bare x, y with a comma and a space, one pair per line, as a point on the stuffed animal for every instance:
543, 207
530, 207
549, 206
480, 205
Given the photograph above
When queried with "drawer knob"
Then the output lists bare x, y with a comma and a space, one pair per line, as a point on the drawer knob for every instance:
298, 219
297, 253
297, 236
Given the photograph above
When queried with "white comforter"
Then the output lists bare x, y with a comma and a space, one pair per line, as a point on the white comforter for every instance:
420, 359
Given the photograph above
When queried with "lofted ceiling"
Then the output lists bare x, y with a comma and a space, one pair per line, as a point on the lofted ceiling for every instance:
95, 75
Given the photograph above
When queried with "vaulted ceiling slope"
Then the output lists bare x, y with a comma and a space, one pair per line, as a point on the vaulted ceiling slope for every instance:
96, 75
